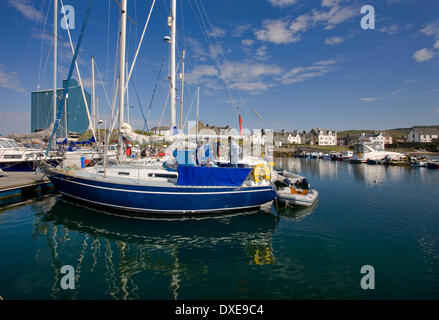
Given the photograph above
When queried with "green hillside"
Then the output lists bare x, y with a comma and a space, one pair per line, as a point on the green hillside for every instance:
395, 133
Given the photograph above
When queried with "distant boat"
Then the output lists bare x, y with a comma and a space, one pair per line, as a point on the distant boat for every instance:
433, 164
15, 157
367, 151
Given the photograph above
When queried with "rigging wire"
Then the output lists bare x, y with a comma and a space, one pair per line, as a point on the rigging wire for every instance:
211, 46
190, 108
222, 53
102, 83
138, 100
145, 125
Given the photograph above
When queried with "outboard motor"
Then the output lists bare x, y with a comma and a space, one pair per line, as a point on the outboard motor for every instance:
302, 184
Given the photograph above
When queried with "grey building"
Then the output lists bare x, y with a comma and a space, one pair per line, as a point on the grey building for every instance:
42, 110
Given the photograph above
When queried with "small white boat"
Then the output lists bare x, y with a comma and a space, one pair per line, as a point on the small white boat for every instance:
297, 191
298, 197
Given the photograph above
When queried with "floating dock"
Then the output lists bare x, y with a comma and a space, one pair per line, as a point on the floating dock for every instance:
19, 186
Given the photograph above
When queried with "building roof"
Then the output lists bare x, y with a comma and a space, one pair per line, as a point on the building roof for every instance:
424, 131
160, 128
317, 130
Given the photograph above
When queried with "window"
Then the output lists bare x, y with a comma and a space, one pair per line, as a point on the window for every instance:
123, 173
12, 156
162, 175
4, 144
14, 144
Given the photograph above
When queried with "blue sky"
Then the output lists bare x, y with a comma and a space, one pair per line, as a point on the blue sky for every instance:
301, 64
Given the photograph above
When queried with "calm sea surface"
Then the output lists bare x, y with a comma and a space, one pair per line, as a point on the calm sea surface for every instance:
386, 217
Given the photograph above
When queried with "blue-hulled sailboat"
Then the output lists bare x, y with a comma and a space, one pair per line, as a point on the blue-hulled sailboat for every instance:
162, 189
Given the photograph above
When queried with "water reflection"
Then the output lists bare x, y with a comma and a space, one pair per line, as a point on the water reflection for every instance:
119, 249
294, 213
361, 173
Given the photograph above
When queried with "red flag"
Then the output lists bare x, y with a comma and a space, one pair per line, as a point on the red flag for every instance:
240, 124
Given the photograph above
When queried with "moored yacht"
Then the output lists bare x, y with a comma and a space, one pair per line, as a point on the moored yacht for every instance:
15, 157
362, 152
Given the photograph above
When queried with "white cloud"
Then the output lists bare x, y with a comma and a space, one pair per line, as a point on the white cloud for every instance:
284, 31
247, 42
240, 29
261, 53
218, 32
282, 3
317, 69
395, 92
337, 14
390, 30
200, 72
276, 31
248, 71
197, 49
252, 77
431, 29
26, 8
330, 3
328, 62
423, 55
9, 80
333, 41
436, 45
369, 99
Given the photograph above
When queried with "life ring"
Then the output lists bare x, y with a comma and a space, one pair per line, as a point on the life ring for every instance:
261, 170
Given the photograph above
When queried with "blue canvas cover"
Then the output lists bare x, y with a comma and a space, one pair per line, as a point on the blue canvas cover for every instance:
211, 176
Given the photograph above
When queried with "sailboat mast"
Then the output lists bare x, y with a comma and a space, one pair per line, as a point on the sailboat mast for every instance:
128, 97
173, 93
55, 55
123, 30
93, 93
198, 110
182, 90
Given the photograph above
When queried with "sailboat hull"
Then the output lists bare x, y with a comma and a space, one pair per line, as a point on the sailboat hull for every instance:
162, 200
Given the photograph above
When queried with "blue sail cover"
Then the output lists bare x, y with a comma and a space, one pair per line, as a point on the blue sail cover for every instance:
211, 176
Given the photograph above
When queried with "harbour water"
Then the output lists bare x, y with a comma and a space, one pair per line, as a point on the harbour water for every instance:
386, 217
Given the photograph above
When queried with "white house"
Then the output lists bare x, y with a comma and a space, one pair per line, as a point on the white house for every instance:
164, 131
388, 139
294, 138
418, 134
324, 137
257, 137
376, 138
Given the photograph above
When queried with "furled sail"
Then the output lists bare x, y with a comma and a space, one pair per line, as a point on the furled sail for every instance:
43, 135
128, 133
